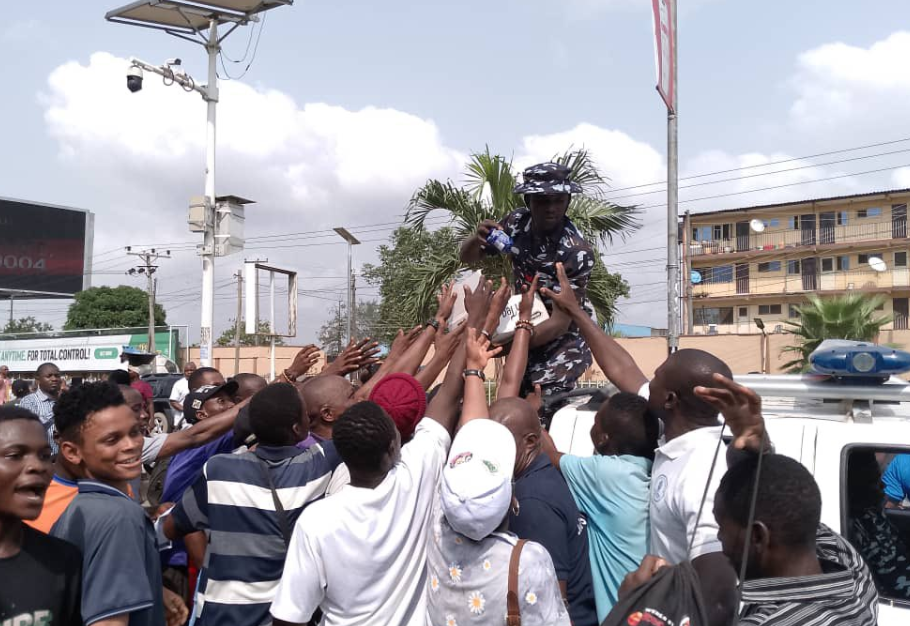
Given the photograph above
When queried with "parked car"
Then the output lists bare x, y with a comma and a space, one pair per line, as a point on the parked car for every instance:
161, 384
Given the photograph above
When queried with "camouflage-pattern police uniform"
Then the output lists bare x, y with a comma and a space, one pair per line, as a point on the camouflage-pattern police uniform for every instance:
557, 366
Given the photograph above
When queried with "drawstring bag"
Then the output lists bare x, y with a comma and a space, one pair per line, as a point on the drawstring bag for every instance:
670, 598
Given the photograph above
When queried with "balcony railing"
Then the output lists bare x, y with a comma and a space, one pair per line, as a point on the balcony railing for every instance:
792, 238
781, 283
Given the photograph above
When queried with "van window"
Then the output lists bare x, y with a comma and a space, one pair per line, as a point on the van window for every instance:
877, 515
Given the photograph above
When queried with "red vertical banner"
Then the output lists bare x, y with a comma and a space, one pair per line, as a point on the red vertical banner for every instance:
663, 50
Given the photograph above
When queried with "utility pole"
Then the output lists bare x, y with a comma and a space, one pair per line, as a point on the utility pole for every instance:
148, 268
237, 322
672, 196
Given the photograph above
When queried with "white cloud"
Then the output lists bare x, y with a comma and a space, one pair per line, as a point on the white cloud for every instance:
309, 167
852, 92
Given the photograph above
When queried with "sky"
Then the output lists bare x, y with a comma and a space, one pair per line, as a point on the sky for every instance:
349, 106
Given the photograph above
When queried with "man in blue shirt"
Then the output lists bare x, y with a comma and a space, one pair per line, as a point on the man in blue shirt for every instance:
41, 403
546, 512
121, 569
612, 489
897, 481
250, 527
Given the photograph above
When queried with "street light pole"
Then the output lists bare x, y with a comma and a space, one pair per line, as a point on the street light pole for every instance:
208, 237
672, 199
352, 241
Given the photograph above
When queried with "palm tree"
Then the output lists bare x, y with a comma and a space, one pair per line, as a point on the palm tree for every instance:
851, 316
487, 194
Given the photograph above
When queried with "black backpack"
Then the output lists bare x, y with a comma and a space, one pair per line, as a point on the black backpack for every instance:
671, 598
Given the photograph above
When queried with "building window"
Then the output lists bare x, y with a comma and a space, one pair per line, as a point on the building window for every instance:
722, 232
701, 233
872, 212
900, 259
770, 266
792, 311
793, 222
793, 266
828, 265
772, 223
744, 311
843, 263
721, 274
713, 315
769, 309
842, 218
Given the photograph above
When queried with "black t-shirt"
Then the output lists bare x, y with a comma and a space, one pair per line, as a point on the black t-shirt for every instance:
547, 514
43, 583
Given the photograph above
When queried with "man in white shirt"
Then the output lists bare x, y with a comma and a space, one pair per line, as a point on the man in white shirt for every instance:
179, 392
361, 555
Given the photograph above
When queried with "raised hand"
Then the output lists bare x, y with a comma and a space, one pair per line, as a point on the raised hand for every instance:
498, 304
447, 343
526, 306
741, 408
355, 356
446, 299
478, 350
403, 341
565, 299
477, 302
303, 361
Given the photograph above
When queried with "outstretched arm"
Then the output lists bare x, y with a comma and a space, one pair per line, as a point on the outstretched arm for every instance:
201, 432
478, 354
617, 364
517, 361
446, 344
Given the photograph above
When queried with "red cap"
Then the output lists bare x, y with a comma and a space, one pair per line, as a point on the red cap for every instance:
403, 398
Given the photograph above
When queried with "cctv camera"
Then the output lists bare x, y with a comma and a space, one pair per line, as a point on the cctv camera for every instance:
134, 79
173, 62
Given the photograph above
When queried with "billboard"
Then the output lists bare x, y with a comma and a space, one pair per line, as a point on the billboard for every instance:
45, 250
80, 354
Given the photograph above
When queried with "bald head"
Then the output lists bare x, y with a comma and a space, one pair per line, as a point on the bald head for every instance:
522, 421
248, 385
675, 382
326, 398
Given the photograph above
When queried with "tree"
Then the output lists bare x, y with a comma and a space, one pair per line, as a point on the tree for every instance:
26, 325
333, 334
112, 307
259, 339
488, 195
395, 276
851, 316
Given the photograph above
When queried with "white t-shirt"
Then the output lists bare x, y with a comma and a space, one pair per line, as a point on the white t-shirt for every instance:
361, 554
340, 477
179, 392
681, 468
151, 447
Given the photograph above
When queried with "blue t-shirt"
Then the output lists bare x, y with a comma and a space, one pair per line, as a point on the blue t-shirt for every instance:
613, 492
121, 571
548, 515
897, 478
183, 471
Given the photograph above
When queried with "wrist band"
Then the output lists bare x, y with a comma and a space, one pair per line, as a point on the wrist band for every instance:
478, 373
525, 324
486, 334
287, 377
434, 323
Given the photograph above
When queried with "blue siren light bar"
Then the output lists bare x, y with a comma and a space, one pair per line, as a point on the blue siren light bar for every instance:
839, 357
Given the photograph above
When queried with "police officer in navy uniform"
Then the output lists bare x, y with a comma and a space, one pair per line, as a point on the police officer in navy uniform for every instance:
543, 236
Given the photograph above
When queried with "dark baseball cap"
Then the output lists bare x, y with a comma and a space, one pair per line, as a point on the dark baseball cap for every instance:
195, 399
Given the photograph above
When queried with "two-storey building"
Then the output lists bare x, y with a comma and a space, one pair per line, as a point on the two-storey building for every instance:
761, 261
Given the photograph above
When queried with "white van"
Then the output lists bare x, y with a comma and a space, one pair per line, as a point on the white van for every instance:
845, 434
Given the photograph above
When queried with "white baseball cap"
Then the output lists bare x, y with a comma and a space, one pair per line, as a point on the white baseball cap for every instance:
476, 486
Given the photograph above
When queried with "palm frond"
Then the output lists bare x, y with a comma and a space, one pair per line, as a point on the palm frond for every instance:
493, 172
604, 289
584, 171
435, 195
599, 220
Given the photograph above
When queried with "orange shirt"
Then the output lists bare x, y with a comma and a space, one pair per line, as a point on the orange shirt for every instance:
58, 496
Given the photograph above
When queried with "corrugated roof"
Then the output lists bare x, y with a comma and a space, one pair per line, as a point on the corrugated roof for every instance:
780, 205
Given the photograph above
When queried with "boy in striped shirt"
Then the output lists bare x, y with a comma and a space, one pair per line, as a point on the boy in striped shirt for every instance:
249, 503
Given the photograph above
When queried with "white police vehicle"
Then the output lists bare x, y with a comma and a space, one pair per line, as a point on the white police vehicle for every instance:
846, 423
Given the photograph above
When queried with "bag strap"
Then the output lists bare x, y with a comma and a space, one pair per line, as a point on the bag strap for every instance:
513, 617
279, 508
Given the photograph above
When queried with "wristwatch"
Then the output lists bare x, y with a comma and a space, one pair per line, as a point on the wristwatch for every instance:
478, 373
433, 322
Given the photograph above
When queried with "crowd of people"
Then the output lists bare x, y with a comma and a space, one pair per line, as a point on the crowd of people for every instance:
312, 500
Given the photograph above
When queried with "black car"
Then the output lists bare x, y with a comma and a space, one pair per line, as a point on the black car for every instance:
161, 384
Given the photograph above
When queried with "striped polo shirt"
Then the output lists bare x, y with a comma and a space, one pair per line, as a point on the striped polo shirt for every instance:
843, 595
246, 552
